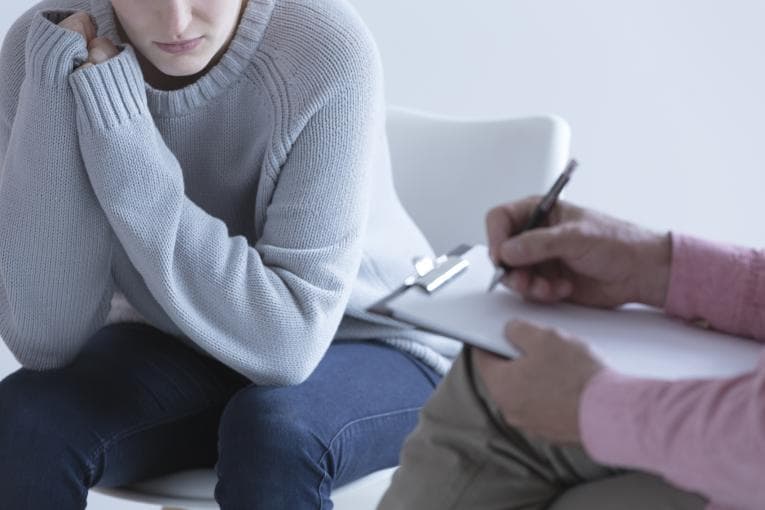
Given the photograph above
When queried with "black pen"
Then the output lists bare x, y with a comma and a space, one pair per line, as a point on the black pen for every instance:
540, 213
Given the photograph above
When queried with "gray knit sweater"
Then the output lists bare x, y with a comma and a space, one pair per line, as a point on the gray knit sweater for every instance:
251, 214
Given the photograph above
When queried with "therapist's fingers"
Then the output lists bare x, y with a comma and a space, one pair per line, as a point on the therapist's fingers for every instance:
539, 245
525, 335
546, 290
549, 283
518, 280
545, 283
505, 221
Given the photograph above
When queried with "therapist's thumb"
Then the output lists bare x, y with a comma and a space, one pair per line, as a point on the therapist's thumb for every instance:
540, 245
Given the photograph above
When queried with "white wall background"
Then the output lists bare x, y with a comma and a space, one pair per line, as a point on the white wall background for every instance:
665, 98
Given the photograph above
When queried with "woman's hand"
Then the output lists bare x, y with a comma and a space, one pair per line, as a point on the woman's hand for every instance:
580, 255
82, 23
100, 49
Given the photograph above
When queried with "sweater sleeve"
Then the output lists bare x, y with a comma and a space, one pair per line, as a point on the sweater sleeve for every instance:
721, 285
707, 436
270, 310
55, 248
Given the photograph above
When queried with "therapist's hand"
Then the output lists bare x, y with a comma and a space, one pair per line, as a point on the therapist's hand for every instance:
580, 256
539, 392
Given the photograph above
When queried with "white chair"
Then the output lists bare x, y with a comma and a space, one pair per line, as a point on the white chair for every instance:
448, 173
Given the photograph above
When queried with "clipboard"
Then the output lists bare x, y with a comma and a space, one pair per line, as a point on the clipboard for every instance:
448, 296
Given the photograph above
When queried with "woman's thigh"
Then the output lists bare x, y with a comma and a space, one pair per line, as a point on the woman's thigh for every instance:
135, 403
348, 419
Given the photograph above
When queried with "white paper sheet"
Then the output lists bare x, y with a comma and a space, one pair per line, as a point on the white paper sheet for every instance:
635, 339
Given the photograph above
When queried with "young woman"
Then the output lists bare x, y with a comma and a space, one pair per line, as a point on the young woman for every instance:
196, 207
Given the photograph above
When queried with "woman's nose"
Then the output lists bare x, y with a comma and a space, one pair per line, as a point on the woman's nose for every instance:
177, 16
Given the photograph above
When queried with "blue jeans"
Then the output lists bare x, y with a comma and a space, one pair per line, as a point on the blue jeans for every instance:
137, 403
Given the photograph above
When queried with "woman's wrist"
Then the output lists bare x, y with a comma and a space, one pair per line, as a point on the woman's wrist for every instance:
110, 93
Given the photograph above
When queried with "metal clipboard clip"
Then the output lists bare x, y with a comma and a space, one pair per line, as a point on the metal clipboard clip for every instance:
431, 275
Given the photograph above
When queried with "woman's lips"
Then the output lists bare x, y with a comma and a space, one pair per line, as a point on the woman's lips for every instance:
180, 47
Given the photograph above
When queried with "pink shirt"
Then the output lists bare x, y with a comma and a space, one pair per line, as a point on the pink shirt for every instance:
707, 436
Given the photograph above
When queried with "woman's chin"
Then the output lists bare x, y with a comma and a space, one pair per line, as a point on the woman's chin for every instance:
180, 64
181, 67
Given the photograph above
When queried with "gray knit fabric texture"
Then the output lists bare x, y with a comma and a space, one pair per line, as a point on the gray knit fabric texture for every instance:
251, 214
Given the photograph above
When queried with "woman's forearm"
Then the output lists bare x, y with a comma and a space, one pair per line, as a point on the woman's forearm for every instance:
268, 310
55, 254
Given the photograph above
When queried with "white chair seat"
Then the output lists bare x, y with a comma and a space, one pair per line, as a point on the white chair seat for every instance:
193, 489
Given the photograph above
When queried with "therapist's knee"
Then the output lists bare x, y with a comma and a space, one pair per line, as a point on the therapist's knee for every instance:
628, 491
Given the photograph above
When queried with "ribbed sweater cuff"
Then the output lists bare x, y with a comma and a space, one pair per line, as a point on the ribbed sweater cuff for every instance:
111, 93
613, 419
53, 52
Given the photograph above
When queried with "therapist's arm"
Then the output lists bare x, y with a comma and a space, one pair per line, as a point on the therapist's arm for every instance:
722, 285
591, 259
706, 436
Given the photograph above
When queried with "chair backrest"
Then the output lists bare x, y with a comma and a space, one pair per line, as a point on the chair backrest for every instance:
449, 172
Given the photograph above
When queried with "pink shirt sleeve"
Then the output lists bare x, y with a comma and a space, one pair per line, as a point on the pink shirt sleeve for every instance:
706, 436
719, 284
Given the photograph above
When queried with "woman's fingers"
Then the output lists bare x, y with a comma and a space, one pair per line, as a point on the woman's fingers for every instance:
82, 23
100, 50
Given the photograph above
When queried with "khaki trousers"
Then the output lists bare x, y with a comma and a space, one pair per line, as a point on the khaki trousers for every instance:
462, 455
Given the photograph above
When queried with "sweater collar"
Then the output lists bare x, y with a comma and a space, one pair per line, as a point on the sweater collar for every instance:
229, 68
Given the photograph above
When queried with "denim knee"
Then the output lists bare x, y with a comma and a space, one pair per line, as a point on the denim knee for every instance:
45, 459
267, 426
269, 454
